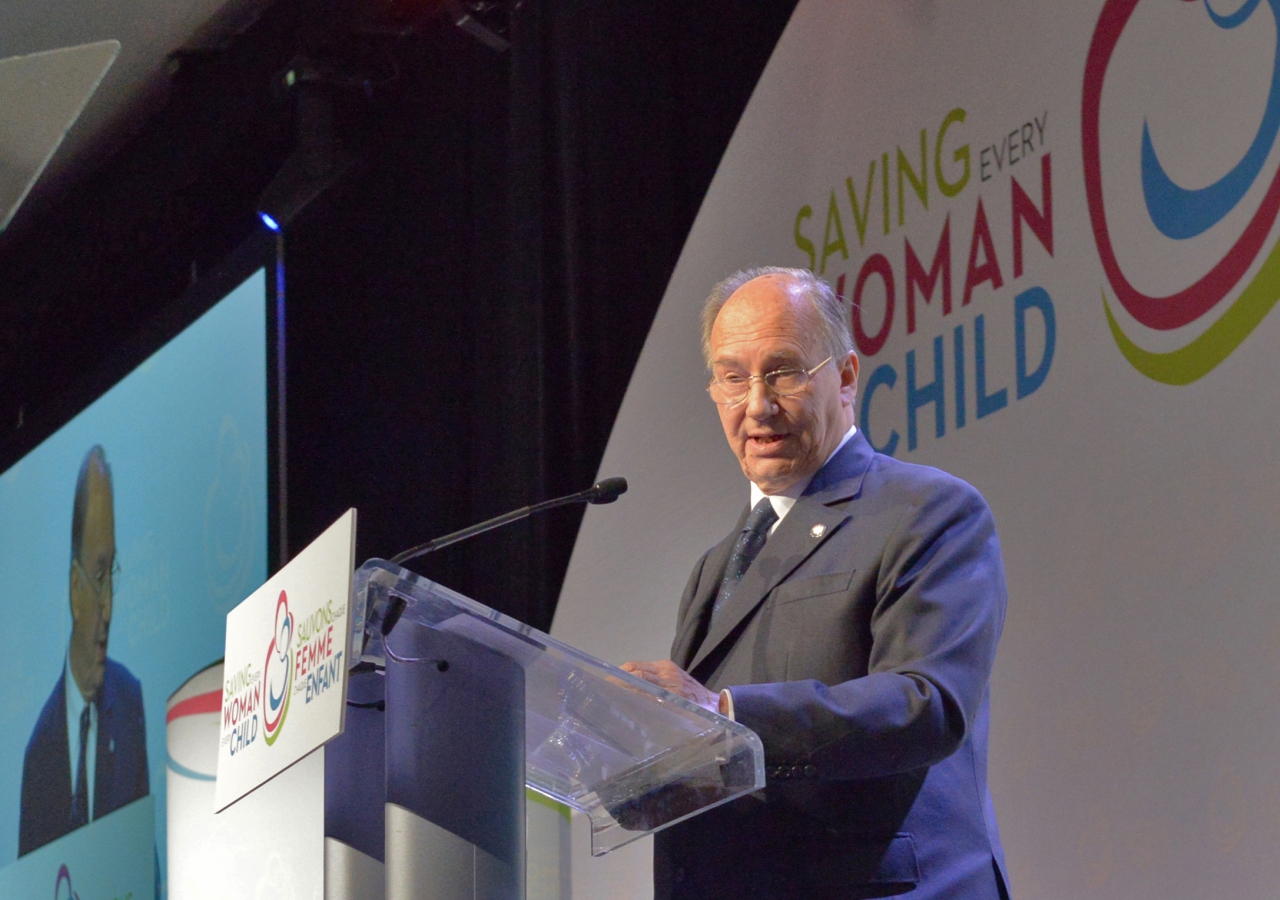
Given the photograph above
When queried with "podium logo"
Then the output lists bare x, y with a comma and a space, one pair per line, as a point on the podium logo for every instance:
277, 672
1182, 261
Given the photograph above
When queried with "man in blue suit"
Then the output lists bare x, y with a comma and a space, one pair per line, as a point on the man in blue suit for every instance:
850, 619
88, 753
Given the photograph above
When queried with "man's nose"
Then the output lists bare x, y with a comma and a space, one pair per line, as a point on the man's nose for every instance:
761, 403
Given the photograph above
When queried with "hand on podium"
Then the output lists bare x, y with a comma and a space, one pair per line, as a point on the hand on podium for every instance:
670, 677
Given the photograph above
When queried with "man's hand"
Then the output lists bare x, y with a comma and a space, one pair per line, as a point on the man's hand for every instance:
668, 676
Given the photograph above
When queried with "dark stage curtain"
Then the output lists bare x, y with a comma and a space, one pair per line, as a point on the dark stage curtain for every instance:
465, 317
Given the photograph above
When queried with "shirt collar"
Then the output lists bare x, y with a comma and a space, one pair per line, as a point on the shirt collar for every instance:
75, 708
75, 699
784, 500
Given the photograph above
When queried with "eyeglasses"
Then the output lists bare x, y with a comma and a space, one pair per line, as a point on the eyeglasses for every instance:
103, 580
732, 389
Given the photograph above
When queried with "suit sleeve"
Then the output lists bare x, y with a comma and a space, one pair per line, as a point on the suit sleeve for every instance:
141, 786
936, 617
28, 839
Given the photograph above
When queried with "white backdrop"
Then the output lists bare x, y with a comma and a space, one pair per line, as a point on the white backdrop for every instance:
1136, 697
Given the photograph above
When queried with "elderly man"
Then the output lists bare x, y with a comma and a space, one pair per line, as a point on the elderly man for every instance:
88, 753
850, 619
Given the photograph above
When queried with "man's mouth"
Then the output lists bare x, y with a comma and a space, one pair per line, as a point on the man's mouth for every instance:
766, 441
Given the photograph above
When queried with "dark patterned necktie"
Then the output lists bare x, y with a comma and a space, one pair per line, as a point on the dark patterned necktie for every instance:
80, 797
755, 531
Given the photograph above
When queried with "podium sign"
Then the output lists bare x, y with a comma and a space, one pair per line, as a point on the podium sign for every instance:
285, 674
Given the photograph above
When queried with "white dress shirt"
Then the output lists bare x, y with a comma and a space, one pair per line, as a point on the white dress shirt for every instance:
75, 704
784, 500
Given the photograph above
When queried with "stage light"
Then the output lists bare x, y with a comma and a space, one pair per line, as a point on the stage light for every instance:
316, 163
484, 20
488, 21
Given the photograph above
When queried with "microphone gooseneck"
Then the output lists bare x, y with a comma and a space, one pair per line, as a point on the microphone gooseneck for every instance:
605, 491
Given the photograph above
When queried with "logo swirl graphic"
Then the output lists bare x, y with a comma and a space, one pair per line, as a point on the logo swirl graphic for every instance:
64, 876
1179, 214
277, 672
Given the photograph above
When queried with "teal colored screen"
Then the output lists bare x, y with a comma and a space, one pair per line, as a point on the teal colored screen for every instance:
185, 435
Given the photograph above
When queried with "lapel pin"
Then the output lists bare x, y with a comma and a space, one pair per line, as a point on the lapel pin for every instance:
818, 530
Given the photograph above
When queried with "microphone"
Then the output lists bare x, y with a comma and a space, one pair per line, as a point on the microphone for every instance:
605, 491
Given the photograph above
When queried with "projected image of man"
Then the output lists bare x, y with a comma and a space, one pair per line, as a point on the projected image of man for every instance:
88, 752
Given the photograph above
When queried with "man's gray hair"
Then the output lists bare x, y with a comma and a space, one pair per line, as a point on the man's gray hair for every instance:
833, 316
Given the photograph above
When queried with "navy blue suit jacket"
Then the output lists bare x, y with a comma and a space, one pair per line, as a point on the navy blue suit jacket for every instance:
121, 775
858, 645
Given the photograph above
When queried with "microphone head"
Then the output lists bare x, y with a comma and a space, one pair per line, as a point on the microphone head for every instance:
608, 490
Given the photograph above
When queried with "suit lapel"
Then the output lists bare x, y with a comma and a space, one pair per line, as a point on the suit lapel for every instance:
62, 742
689, 627
808, 525
104, 766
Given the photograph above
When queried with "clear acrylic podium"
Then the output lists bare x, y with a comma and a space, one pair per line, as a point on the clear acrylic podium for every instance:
473, 707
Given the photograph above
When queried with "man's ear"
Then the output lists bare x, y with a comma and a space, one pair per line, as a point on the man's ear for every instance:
74, 585
849, 376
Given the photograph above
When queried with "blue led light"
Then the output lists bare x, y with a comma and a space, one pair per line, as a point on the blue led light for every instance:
269, 222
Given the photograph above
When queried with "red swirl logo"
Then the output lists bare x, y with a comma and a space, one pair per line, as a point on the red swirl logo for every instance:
1180, 214
277, 672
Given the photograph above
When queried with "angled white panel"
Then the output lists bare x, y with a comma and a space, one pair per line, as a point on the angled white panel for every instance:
42, 95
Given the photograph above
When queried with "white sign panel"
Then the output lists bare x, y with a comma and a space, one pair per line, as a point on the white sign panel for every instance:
284, 686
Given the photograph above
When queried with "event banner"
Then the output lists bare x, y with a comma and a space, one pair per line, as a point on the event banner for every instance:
284, 686
1057, 226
